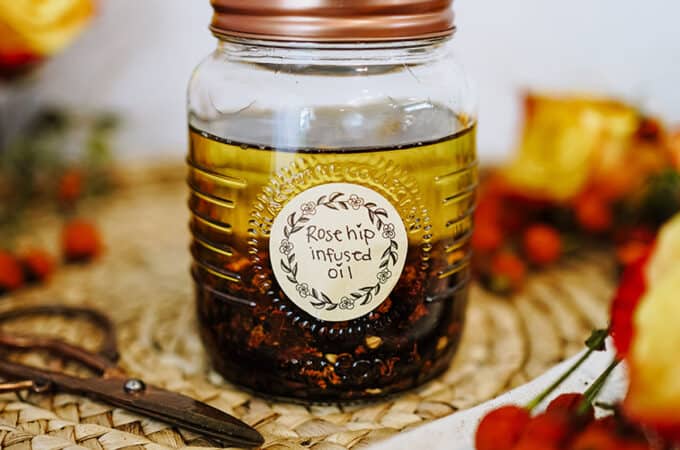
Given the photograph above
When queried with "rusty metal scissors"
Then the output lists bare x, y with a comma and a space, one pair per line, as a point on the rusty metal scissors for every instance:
111, 385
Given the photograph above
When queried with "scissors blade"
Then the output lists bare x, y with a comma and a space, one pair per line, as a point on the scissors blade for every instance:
150, 401
184, 411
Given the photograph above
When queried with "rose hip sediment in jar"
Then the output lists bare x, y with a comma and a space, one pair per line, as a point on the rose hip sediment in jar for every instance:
332, 171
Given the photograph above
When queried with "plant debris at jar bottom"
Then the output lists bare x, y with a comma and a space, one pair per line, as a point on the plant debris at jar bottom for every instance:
258, 338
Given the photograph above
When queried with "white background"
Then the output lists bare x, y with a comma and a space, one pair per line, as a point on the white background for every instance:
138, 55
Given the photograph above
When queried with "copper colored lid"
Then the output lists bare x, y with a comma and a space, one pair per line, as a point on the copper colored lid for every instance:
333, 20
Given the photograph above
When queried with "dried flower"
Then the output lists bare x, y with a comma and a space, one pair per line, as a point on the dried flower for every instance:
347, 303
308, 209
384, 275
355, 201
286, 247
388, 231
303, 290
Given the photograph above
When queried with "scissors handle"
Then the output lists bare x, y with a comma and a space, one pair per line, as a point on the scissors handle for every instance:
112, 386
62, 349
108, 349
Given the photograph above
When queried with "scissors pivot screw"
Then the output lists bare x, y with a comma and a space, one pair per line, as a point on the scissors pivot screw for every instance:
41, 386
134, 386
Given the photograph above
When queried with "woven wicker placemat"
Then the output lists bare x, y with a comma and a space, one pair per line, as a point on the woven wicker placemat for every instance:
143, 282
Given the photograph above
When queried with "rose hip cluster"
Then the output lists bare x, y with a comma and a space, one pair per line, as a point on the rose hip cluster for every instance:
516, 231
509, 239
568, 423
80, 242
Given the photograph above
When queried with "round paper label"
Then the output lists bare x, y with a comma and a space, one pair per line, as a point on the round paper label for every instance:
337, 250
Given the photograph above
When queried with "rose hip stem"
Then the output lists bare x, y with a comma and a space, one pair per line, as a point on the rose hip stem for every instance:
595, 343
593, 391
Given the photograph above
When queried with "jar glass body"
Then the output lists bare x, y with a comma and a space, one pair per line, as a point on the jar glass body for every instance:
379, 139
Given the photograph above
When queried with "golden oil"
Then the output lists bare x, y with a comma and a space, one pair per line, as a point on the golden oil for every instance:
261, 337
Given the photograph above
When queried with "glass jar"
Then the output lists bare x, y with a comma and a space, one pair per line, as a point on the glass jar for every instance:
332, 185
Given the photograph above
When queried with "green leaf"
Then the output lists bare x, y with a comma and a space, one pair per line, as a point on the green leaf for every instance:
596, 341
661, 199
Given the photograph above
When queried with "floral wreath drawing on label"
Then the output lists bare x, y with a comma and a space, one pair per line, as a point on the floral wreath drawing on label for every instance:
337, 250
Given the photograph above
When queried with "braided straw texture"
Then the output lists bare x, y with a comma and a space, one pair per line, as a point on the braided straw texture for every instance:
143, 282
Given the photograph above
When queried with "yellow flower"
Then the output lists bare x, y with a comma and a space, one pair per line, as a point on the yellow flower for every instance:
567, 141
654, 393
42, 27
666, 252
